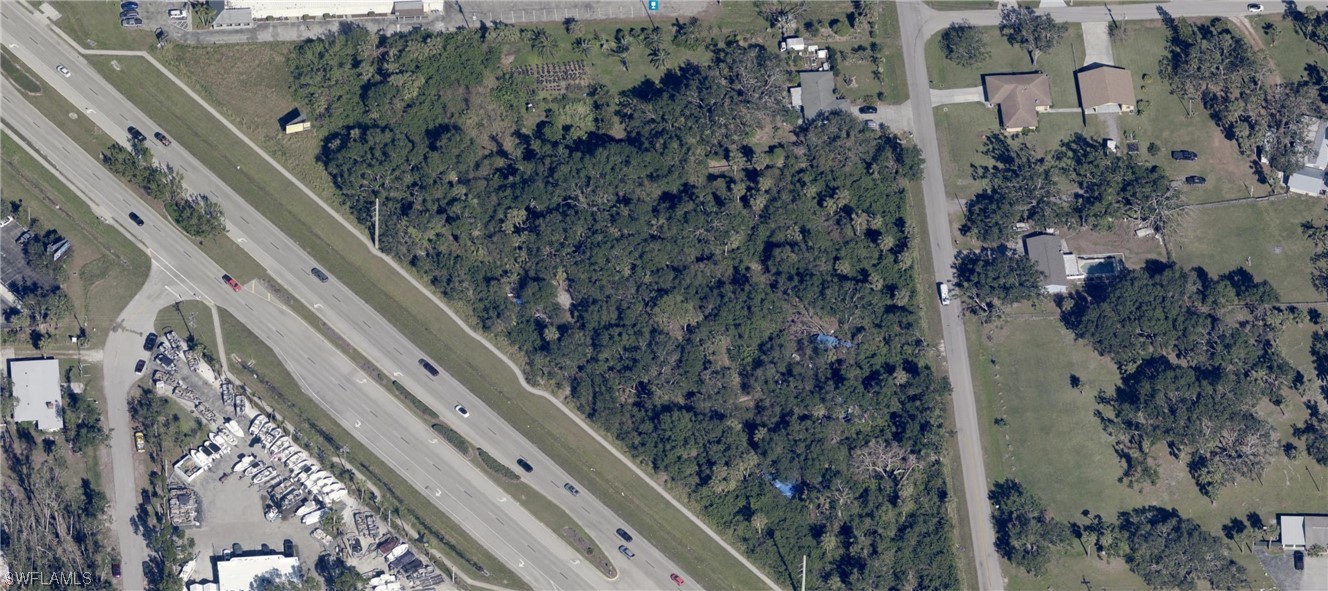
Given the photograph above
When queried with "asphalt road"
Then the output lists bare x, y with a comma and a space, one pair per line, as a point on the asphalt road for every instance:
917, 24
310, 357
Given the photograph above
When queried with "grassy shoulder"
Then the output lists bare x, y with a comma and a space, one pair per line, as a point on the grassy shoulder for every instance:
190, 319
416, 316
17, 73
107, 269
96, 25
273, 385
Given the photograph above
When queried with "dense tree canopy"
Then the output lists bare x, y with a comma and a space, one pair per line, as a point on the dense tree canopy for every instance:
963, 44
1170, 551
1197, 354
1026, 533
731, 326
991, 278
1032, 32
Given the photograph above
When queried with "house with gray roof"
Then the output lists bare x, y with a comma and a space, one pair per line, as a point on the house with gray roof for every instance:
817, 94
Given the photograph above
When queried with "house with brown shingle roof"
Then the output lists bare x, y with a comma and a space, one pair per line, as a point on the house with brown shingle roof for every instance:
1018, 98
1105, 89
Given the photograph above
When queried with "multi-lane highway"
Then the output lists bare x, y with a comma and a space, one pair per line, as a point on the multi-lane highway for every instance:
454, 484
538, 555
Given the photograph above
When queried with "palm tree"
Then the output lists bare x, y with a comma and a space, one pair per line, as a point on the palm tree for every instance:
659, 57
539, 41
582, 46
572, 26
620, 50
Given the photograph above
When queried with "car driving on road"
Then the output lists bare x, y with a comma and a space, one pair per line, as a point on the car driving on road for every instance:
571, 489
525, 465
622, 533
433, 371
161, 137
62, 70
677, 579
235, 285
319, 274
133, 217
627, 552
1254, 8
461, 410
137, 135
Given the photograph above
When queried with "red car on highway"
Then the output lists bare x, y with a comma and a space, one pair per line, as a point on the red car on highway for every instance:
676, 579
235, 285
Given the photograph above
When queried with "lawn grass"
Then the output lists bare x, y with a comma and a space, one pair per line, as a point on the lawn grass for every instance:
17, 74
1055, 447
416, 316
279, 389
96, 25
1059, 64
1230, 175
962, 129
1291, 53
107, 269
1267, 234
893, 74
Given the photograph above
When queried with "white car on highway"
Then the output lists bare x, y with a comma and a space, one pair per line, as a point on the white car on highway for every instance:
461, 410
62, 70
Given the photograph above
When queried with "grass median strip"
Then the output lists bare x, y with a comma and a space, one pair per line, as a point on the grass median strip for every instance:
266, 378
594, 467
16, 74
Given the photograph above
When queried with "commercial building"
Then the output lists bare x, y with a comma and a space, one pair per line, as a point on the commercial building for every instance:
37, 396
1018, 98
245, 12
249, 573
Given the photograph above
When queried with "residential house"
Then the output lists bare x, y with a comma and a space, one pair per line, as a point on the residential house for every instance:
1061, 267
1105, 89
1018, 98
817, 94
1310, 179
1302, 531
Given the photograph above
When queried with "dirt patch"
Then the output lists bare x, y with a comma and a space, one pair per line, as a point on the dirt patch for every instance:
599, 561
1120, 239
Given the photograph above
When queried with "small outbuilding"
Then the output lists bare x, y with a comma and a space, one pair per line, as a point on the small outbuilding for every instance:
1105, 89
1018, 98
295, 122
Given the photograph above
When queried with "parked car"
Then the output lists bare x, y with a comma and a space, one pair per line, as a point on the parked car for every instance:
943, 291
138, 367
433, 371
461, 410
1183, 155
525, 465
8, 220
133, 217
873, 125
627, 552
115, 569
571, 489
131, 22
622, 533
161, 137
235, 285
1255, 8
867, 110
319, 274
677, 579
128, 6
1298, 560
150, 342
175, 13
1195, 179
62, 70
137, 135
140, 444
128, 14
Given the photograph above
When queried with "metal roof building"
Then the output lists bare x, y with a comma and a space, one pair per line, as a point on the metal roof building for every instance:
247, 573
37, 393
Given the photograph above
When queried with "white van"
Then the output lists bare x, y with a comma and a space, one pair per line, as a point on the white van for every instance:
943, 289
175, 13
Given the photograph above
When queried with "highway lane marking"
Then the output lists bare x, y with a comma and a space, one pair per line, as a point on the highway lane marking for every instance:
374, 414
499, 520
467, 493
652, 565
279, 333
344, 387
435, 467
311, 360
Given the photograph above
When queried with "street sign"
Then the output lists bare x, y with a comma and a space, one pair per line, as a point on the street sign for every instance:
654, 4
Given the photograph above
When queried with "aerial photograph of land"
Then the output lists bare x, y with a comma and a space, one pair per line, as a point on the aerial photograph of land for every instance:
464, 295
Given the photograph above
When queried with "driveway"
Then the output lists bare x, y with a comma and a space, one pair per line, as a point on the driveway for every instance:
1097, 44
952, 96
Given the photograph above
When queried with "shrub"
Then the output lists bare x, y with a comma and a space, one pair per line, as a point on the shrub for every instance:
414, 401
496, 466
453, 438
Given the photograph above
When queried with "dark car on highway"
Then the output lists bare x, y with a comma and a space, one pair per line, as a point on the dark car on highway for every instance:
150, 342
525, 465
137, 135
161, 137
319, 274
133, 217
867, 110
622, 533
433, 371
1183, 155
571, 489
1195, 179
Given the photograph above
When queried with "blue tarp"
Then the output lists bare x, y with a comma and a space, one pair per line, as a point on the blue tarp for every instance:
785, 488
830, 342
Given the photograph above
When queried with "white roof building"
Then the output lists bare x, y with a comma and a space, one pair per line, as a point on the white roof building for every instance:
1310, 179
255, 573
37, 393
1302, 531
261, 9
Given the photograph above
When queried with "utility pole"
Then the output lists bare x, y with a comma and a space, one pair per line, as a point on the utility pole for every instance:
804, 572
376, 224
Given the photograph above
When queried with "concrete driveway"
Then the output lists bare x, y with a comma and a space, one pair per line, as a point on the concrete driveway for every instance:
1097, 44
952, 96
